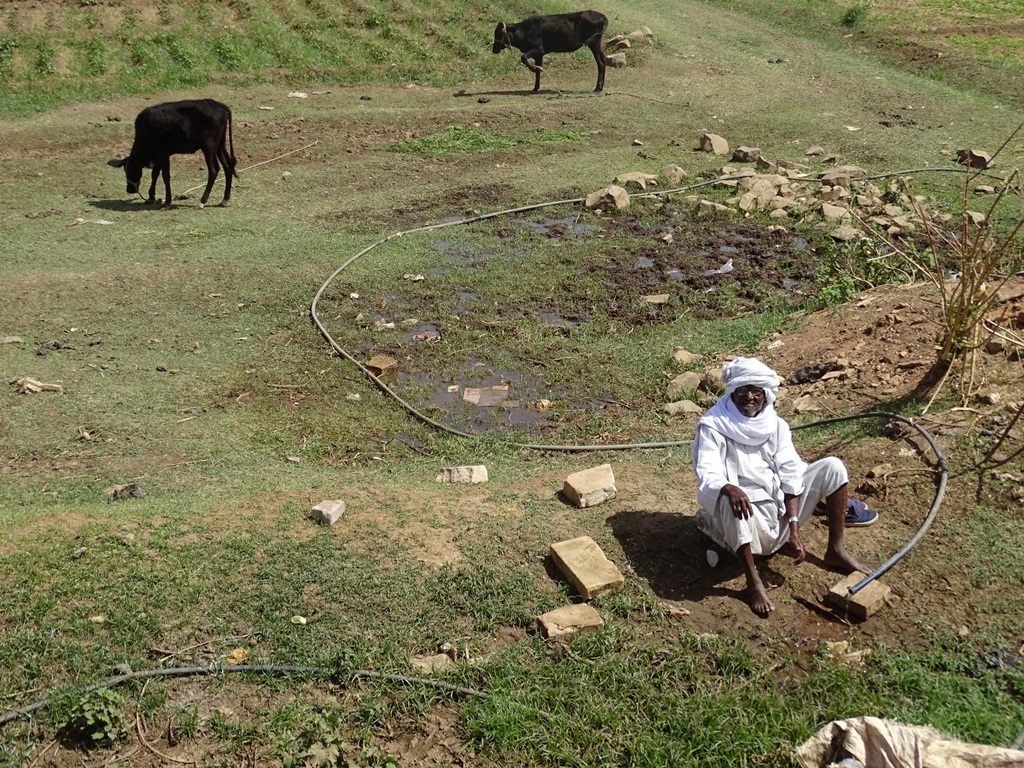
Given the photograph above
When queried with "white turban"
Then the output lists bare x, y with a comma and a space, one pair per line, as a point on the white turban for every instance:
750, 372
725, 418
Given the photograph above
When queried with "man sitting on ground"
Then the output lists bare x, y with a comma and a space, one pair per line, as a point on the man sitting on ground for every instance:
753, 488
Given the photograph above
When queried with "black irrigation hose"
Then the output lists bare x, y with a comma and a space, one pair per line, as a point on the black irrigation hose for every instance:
277, 668
940, 494
217, 670
936, 503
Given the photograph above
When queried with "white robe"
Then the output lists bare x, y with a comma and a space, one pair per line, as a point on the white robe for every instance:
765, 473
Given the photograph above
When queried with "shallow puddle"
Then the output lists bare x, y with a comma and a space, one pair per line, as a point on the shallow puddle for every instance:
518, 406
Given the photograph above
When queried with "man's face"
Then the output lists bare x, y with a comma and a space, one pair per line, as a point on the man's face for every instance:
749, 400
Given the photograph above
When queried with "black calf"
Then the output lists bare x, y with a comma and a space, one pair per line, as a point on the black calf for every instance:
559, 33
180, 128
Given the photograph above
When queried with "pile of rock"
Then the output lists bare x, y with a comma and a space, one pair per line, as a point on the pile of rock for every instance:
619, 44
842, 200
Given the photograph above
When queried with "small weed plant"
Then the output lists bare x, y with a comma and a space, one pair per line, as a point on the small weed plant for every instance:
849, 268
855, 16
99, 718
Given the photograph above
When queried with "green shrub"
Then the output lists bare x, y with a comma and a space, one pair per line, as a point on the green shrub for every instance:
98, 718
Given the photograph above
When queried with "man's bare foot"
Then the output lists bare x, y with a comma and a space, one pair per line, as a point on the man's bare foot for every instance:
758, 598
841, 559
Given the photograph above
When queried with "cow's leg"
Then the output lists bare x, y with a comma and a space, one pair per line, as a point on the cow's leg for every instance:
166, 171
212, 169
229, 170
152, 186
595, 46
538, 56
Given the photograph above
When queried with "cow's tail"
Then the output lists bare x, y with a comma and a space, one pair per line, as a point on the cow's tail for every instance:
231, 147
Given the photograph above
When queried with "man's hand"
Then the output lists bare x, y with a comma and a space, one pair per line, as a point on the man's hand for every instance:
739, 501
794, 541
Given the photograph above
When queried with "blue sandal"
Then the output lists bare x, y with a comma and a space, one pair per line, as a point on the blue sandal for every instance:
857, 513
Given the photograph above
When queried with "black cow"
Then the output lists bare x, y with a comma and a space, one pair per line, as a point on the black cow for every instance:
180, 128
558, 33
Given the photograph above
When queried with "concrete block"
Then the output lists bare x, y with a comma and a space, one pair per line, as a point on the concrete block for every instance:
328, 512
590, 487
383, 367
568, 619
866, 602
584, 564
473, 474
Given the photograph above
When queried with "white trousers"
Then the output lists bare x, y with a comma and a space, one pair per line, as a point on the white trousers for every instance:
766, 530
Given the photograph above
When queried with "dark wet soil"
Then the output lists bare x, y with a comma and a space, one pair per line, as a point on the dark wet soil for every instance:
709, 268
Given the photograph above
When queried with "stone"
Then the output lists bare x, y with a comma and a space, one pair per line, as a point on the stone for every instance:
712, 142
684, 383
657, 298
616, 60
866, 602
680, 355
383, 367
125, 491
842, 175
673, 173
637, 178
612, 195
814, 151
328, 512
708, 208
682, 407
973, 158
746, 155
834, 212
846, 233
617, 43
640, 33
585, 565
590, 487
805, 404
995, 345
568, 619
711, 381
476, 473
989, 395
439, 662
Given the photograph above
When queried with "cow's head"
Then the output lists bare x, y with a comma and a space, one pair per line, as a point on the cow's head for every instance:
132, 172
501, 41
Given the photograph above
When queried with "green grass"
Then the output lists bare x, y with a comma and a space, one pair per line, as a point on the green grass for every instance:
193, 370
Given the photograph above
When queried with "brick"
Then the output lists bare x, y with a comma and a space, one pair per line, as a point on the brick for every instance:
869, 600
584, 564
383, 367
568, 619
471, 474
591, 486
328, 512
